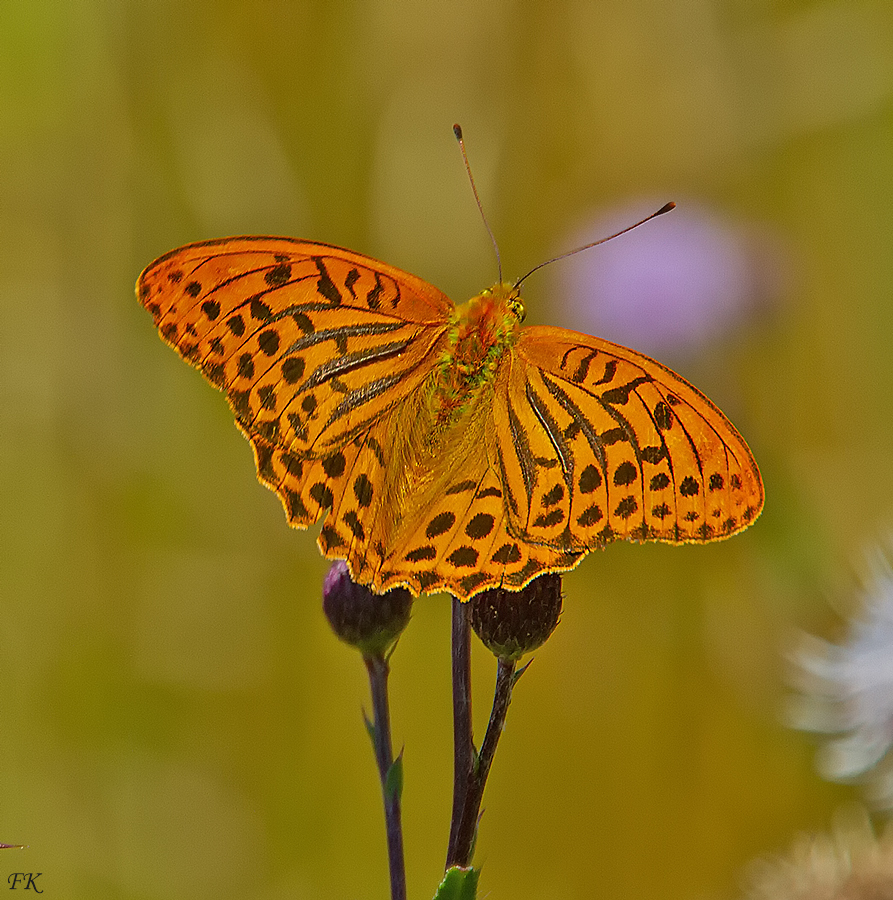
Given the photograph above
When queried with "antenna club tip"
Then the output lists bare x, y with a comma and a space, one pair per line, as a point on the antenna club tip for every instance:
666, 208
457, 130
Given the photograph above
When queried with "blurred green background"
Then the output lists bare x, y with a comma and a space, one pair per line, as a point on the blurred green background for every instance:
176, 720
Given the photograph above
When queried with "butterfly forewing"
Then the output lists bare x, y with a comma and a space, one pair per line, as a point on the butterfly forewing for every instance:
621, 447
311, 344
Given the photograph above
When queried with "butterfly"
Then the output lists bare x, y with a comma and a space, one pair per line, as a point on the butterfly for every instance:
445, 447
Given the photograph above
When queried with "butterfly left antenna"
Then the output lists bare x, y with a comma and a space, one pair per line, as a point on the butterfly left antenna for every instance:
457, 130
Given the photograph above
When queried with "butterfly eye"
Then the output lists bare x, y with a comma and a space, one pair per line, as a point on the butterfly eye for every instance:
516, 305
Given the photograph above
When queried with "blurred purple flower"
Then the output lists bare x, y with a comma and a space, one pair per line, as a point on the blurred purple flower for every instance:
847, 688
670, 287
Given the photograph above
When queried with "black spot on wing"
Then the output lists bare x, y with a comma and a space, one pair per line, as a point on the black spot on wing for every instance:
463, 557
293, 369
609, 373
363, 490
259, 310
246, 366
421, 554
211, 309
480, 526
689, 487
583, 368
334, 464
589, 516
626, 507
373, 298
663, 416
590, 480
268, 341
353, 276
236, 325
507, 553
460, 487
324, 283
626, 473
278, 275
440, 524
352, 520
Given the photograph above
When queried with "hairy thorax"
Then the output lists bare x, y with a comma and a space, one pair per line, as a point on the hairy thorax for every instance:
481, 332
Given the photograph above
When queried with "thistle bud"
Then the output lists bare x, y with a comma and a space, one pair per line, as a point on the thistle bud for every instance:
370, 622
512, 623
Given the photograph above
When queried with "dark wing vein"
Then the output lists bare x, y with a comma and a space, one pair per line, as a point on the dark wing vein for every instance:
342, 333
348, 362
525, 457
358, 397
553, 431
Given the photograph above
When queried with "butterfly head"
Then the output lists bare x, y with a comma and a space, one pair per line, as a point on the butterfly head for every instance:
490, 321
506, 297
501, 304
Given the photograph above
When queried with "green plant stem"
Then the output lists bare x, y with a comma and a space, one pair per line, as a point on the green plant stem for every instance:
465, 829
463, 748
380, 731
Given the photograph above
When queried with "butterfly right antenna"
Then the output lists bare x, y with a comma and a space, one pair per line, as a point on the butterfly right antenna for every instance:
664, 209
457, 130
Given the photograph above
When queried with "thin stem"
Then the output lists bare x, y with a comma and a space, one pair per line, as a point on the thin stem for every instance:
502, 697
463, 748
465, 831
380, 731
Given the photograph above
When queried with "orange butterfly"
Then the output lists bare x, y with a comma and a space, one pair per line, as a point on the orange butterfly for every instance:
447, 447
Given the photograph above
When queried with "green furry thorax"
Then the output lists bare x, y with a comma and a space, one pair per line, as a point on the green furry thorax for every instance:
481, 331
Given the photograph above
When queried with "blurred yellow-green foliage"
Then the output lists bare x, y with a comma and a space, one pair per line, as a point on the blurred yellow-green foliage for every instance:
176, 719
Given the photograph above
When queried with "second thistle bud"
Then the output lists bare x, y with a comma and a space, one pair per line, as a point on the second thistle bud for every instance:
512, 623
370, 622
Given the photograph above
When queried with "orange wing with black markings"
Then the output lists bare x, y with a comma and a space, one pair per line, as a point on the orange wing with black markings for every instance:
312, 344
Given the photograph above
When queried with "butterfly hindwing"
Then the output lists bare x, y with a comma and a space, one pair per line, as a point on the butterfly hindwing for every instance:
463, 542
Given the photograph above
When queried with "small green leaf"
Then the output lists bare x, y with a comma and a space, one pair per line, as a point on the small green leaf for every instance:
520, 672
370, 728
459, 884
393, 783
